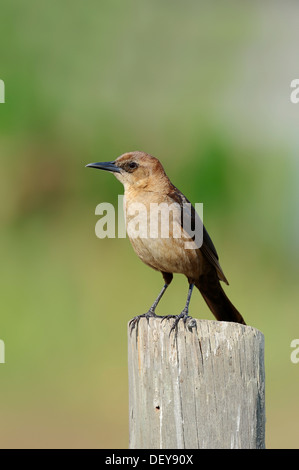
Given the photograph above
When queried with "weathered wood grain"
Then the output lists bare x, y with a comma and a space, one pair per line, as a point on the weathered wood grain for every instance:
201, 388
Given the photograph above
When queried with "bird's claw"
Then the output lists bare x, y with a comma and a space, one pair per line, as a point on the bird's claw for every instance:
182, 316
168, 317
150, 314
134, 322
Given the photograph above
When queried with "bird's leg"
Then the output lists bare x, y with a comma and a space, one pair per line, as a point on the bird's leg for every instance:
184, 315
151, 312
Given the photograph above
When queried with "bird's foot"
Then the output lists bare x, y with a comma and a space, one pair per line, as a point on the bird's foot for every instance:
134, 322
182, 316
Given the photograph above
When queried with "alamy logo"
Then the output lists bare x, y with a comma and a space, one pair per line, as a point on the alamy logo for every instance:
2, 92
152, 221
294, 97
2, 352
295, 352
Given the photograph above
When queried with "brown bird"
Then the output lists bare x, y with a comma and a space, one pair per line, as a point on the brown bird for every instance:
148, 187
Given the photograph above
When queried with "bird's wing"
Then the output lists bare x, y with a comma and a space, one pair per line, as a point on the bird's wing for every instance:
189, 220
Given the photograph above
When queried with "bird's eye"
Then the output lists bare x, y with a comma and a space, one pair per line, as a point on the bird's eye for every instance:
132, 165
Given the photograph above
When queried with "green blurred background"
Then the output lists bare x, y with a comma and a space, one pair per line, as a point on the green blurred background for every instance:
205, 87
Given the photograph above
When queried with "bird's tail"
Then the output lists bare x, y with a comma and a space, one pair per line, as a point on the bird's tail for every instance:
220, 305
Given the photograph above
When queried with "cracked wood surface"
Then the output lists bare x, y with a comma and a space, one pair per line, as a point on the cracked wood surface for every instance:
200, 388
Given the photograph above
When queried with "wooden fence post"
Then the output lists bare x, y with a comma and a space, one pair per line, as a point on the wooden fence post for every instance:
201, 388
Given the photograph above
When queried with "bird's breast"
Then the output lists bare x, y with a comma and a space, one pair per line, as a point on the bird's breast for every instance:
155, 232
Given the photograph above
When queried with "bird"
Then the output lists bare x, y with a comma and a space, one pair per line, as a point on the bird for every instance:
146, 185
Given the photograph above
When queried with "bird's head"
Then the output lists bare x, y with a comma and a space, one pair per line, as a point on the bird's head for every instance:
135, 170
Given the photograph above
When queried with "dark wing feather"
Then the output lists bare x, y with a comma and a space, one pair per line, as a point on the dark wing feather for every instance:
207, 247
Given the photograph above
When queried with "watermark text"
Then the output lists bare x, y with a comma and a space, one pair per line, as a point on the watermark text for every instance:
2, 352
152, 221
2, 91
295, 352
294, 97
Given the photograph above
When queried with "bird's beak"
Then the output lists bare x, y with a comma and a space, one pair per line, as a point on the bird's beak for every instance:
108, 166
